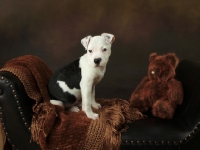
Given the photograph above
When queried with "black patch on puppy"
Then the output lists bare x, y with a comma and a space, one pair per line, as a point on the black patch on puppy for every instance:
71, 75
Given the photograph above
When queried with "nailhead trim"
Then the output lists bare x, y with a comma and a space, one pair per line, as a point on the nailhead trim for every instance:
2, 120
19, 105
19, 108
185, 140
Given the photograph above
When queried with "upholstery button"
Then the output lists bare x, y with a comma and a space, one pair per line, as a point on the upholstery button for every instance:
1, 92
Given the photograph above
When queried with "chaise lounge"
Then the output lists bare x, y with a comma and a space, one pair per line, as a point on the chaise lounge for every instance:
180, 133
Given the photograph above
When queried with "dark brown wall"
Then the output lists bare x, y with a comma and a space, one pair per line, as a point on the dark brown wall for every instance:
53, 29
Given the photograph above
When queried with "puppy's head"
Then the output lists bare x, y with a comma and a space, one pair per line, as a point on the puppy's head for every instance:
98, 48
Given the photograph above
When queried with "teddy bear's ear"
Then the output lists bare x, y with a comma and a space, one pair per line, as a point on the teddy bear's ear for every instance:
152, 56
171, 57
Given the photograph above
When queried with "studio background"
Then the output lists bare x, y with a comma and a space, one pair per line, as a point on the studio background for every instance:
52, 30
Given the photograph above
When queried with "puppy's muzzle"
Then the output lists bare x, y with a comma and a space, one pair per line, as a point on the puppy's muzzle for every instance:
97, 61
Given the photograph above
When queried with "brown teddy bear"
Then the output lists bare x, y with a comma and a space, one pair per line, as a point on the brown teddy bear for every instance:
159, 91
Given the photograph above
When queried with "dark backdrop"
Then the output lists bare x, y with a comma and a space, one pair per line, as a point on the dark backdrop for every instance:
53, 29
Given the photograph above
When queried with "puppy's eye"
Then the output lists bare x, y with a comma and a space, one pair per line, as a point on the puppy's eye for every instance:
90, 51
104, 49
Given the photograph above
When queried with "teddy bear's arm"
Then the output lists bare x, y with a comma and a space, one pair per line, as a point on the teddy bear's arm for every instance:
138, 98
175, 92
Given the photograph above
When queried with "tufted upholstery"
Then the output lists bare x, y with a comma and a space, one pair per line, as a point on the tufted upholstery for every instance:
181, 132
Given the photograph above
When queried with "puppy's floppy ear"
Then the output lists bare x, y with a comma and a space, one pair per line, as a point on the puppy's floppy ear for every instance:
85, 41
108, 37
152, 56
172, 58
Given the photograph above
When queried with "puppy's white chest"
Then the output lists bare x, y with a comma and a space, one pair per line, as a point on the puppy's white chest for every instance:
99, 74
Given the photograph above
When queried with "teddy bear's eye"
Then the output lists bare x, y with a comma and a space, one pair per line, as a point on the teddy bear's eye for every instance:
90, 51
152, 72
104, 49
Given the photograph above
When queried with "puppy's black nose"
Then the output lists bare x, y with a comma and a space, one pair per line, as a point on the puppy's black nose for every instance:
97, 61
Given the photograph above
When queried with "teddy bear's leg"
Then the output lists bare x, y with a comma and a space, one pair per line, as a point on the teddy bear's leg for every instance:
175, 92
163, 109
139, 102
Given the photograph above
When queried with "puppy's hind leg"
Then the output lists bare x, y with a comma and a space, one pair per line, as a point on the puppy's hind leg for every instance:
56, 102
70, 108
74, 109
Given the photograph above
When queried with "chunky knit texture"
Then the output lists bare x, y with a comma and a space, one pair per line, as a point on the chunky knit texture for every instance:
55, 128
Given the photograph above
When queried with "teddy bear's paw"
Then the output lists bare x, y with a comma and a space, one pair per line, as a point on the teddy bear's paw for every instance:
137, 100
163, 109
140, 103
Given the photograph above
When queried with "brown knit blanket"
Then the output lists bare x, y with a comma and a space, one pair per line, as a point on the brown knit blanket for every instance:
55, 128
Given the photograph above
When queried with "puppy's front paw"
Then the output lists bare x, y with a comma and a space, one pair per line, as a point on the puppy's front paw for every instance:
96, 105
92, 115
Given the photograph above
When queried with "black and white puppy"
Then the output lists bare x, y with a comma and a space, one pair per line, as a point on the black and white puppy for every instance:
77, 80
